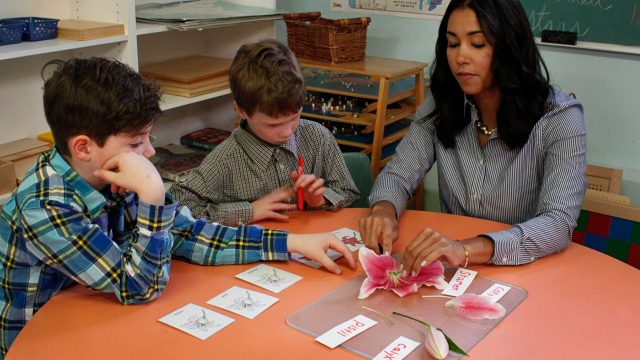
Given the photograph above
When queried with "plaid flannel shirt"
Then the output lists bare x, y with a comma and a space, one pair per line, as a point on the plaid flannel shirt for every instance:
57, 230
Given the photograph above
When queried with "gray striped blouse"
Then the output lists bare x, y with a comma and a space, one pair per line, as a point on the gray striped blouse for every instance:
538, 188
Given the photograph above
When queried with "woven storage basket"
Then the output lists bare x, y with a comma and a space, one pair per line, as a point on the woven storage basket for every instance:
313, 37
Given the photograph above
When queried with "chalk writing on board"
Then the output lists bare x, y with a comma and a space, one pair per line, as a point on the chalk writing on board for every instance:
635, 15
541, 19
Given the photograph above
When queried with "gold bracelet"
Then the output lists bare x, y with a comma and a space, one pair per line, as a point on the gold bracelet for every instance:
466, 256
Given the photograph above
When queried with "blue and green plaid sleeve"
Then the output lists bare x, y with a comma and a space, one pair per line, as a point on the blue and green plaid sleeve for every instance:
206, 243
64, 238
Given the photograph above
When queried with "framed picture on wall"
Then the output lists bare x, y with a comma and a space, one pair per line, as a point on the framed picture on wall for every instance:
413, 8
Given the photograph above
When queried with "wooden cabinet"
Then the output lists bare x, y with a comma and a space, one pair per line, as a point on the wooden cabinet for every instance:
20, 64
382, 92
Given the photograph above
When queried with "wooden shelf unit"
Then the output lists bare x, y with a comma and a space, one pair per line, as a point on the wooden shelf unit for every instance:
382, 74
20, 64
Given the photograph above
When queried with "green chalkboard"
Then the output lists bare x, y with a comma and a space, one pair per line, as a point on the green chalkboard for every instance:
602, 21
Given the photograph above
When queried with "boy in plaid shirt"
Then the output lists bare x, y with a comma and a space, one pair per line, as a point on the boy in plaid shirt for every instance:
94, 210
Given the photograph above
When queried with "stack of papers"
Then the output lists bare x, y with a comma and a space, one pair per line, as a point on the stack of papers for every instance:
200, 14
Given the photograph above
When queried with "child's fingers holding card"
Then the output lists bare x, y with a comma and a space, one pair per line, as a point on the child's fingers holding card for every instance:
340, 247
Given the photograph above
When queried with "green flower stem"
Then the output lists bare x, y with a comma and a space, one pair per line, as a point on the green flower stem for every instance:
452, 345
412, 318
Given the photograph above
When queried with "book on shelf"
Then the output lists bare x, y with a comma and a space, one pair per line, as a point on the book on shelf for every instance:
174, 162
206, 138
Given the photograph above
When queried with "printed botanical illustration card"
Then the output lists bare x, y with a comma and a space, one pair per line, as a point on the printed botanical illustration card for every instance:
269, 277
197, 321
243, 301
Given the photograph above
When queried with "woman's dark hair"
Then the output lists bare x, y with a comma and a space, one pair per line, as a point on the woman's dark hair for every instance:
97, 97
518, 70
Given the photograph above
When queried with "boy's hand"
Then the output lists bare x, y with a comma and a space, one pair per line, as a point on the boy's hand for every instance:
133, 172
312, 186
315, 247
267, 207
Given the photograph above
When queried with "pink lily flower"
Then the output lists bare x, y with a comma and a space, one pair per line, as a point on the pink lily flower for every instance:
472, 306
383, 273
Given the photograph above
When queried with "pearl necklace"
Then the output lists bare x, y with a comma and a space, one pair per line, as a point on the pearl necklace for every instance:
482, 129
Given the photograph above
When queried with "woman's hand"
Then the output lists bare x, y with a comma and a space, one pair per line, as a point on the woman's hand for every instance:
429, 245
380, 227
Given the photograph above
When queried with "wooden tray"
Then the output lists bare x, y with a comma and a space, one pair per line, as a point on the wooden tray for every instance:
189, 69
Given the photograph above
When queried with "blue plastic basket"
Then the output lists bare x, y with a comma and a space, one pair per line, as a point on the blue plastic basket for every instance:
37, 28
10, 32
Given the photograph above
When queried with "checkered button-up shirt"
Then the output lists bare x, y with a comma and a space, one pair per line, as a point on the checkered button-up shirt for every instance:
244, 168
57, 230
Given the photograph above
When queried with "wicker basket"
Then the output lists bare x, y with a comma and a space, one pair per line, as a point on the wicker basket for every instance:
313, 37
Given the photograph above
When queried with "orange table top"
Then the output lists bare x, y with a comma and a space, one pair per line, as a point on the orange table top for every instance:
581, 304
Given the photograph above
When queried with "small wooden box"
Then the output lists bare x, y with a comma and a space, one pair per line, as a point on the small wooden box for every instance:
76, 29
7, 177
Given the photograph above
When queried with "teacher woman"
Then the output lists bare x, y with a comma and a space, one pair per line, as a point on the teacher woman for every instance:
509, 147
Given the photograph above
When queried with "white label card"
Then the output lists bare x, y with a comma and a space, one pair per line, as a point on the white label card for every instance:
243, 301
269, 277
397, 349
197, 321
345, 331
459, 282
496, 292
349, 237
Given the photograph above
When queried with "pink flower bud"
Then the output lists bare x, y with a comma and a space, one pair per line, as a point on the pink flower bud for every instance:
435, 343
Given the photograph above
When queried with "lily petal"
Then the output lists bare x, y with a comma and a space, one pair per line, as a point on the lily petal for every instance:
431, 275
472, 306
376, 266
436, 343
367, 288
405, 290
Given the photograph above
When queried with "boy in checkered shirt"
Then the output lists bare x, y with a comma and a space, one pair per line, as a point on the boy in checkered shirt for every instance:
253, 174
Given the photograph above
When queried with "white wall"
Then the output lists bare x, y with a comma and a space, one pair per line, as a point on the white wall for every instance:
606, 83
